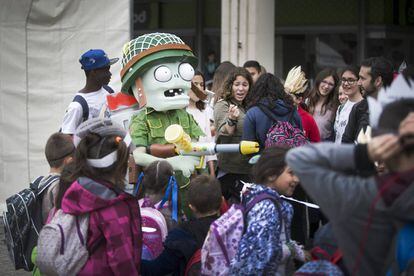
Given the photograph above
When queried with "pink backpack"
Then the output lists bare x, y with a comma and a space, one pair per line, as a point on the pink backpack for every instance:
221, 243
282, 133
154, 231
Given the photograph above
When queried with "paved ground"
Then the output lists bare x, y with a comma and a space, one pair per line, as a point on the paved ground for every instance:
6, 267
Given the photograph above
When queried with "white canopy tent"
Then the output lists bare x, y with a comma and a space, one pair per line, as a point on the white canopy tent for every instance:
40, 44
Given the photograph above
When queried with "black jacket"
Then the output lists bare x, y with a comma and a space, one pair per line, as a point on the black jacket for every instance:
179, 246
358, 119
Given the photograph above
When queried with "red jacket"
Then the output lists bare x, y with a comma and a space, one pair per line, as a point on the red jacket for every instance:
114, 227
310, 128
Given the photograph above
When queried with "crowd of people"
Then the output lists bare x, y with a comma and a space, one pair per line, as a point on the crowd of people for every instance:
335, 169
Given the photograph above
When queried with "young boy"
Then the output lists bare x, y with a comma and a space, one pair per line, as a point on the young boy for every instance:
204, 196
363, 211
59, 151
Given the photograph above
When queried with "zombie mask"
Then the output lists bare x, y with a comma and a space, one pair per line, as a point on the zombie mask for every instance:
157, 70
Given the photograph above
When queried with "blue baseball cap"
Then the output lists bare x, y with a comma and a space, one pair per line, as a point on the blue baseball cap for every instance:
94, 59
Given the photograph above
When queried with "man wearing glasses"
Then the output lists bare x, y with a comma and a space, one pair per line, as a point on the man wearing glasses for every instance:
375, 73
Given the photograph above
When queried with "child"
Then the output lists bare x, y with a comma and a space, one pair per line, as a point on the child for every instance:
204, 197
265, 248
59, 152
154, 183
362, 210
114, 231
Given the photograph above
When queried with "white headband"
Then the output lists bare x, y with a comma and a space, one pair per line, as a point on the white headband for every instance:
105, 161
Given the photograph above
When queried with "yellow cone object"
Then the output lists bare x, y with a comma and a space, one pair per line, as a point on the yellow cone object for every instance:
175, 134
249, 147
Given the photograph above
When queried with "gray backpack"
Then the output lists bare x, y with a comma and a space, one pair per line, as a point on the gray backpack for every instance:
61, 247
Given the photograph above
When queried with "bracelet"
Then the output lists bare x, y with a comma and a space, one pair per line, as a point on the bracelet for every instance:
231, 122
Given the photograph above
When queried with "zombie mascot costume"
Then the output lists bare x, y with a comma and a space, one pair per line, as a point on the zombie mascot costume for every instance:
157, 71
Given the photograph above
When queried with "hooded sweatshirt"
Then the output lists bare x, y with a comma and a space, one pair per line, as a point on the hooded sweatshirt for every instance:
114, 234
257, 124
351, 201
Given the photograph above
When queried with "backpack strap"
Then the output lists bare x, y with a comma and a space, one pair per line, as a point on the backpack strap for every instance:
48, 182
196, 258
85, 107
35, 184
108, 89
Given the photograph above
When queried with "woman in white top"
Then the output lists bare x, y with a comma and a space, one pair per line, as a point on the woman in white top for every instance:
202, 116
349, 83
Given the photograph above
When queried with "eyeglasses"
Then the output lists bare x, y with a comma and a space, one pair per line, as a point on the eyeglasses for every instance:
349, 81
330, 84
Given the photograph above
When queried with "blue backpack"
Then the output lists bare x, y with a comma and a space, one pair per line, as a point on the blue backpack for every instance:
404, 252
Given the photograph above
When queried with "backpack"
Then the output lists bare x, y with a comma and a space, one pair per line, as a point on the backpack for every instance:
154, 231
193, 267
404, 252
62, 248
23, 221
221, 243
282, 133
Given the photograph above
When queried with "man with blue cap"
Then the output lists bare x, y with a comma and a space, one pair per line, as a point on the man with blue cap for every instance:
91, 99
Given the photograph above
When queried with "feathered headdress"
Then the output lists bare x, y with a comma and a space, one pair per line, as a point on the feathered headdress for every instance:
295, 81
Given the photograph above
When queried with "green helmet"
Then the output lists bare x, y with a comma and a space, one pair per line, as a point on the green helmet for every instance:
146, 50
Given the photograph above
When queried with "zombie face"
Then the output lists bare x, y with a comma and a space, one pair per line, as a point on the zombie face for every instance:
165, 85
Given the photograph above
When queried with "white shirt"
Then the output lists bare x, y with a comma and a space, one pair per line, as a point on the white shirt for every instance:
341, 120
73, 116
203, 121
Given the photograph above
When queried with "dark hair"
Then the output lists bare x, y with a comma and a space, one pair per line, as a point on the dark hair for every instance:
204, 194
380, 67
156, 177
220, 76
268, 87
408, 74
228, 85
58, 147
331, 101
201, 105
351, 68
254, 64
94, 146
391, 117
66, 179
271, 163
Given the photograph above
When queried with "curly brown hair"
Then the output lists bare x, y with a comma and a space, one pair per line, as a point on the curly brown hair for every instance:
228, 85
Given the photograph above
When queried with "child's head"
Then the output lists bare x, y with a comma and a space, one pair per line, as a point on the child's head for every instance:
156, 177
59, 150
102, 154
342, 97
204, 195
272, 171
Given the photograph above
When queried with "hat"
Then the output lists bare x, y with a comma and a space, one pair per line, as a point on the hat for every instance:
144, 51
94, 59
296, 82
